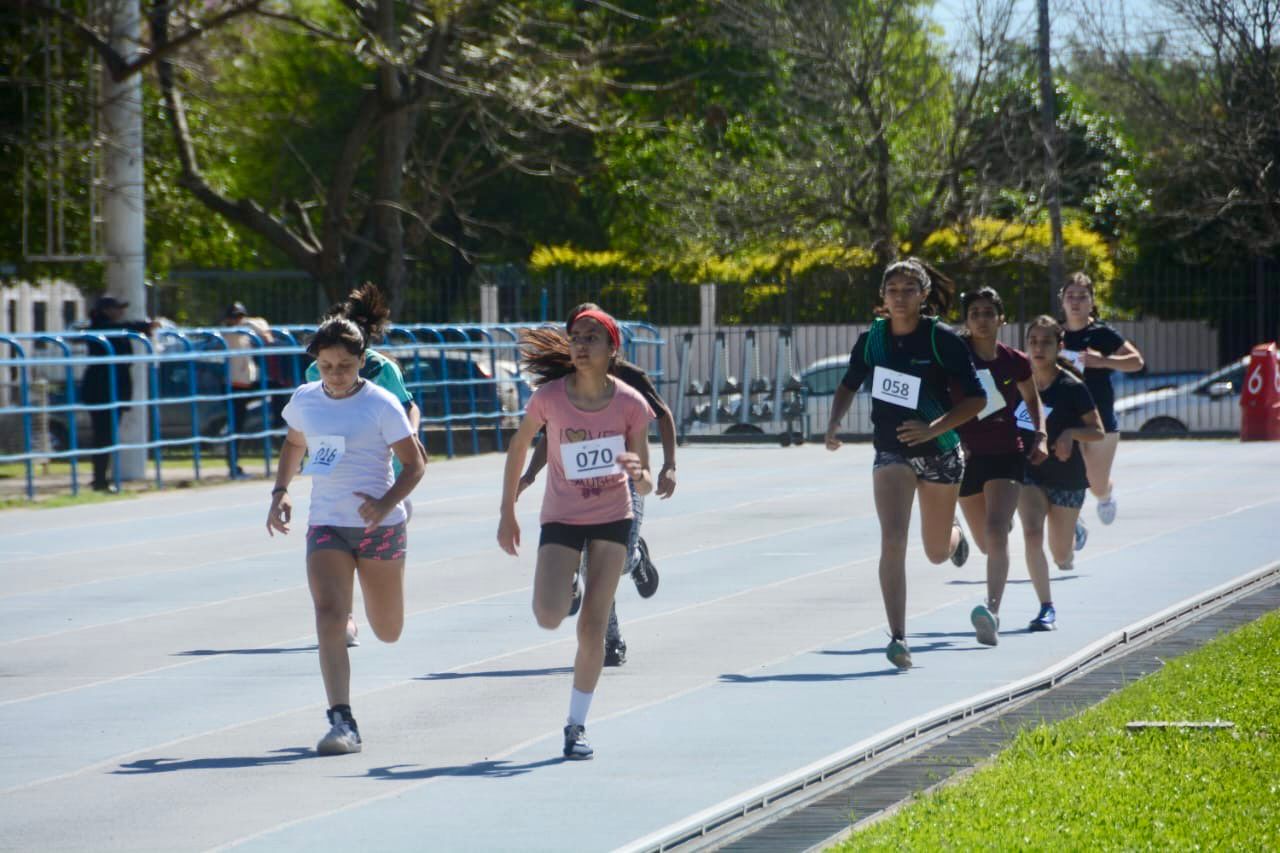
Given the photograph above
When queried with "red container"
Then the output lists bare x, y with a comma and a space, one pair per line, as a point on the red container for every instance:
1260, 400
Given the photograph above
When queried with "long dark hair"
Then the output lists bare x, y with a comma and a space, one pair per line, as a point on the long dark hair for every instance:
939, 288
545, 350
1044, 321
1079, 279
337, 332
367, 308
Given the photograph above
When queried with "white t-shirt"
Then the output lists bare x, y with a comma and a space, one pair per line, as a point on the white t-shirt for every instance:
349, 443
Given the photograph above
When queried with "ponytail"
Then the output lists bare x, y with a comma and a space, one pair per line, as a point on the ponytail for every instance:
367, 309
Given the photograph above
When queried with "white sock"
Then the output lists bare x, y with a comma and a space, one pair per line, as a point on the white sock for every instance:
579, 705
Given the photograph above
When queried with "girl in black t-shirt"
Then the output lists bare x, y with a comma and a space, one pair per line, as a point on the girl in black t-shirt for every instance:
1056, 486
914, 361
1099, 351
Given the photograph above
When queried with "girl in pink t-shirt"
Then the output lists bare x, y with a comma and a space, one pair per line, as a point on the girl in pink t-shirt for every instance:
597, 439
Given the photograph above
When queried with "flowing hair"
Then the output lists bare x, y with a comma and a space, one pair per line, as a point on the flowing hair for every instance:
1044, 321
939, 289
545, 350
367, 308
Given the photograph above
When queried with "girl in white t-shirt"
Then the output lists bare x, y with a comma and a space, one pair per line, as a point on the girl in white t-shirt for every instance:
350, 428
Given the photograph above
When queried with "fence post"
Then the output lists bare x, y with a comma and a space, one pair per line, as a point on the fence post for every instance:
707, 306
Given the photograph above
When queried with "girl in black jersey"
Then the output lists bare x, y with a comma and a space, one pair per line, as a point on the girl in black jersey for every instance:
913, 361
1057, 485
1099, 351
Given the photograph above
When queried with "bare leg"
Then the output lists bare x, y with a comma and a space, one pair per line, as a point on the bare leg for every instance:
974, 509
607, 560
938, 520
1062, 533
553, 584
1001, 502
330, 575
1033, 506
894, 487
382, 582
1099, 457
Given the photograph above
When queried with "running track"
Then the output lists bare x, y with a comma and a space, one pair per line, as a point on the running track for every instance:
159, 686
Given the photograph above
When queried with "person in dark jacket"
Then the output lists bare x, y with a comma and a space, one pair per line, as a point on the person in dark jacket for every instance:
96, 385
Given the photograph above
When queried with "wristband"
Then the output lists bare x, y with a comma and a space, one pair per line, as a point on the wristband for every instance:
279, 489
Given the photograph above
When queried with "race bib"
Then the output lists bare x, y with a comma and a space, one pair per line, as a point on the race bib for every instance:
898, 389
596, 457
1075, 357
1023, 417
323, 453
995, 400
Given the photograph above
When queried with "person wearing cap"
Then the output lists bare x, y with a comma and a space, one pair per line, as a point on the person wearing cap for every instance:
108, 313
597, 437
244, 375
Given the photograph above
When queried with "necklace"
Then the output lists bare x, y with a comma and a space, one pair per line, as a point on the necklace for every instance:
355, 386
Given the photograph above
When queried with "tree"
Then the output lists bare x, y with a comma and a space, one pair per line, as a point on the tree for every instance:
1204, 105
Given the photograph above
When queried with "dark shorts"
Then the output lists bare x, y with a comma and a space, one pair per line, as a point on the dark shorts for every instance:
1069, 498
576, 536
980, 470
945, 468
384, 543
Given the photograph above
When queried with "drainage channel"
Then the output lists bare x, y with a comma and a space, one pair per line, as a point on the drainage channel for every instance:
816, 806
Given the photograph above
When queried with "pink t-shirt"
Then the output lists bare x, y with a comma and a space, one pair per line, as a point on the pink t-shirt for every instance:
583, 436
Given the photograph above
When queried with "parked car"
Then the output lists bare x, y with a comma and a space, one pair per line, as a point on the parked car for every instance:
1210, 404
820, 380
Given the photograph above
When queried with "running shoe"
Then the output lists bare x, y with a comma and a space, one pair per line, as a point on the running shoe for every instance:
898, 654
575, 604
644, 573
343, 737
576, 747
353, 639
1082, 535
961, 554
985, 624
1107, 510
615, 651
1046, 619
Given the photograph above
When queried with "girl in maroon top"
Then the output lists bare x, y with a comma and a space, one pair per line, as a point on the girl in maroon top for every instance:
995, 459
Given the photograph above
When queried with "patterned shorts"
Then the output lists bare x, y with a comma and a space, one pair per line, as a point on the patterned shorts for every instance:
945, 468
385, 543
1069, 498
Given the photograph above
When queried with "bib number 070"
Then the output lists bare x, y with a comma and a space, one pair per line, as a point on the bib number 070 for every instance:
594, 458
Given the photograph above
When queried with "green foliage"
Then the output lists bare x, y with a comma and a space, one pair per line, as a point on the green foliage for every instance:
1088, 784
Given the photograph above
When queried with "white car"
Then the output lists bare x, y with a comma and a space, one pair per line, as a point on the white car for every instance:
1207, 405
820, 380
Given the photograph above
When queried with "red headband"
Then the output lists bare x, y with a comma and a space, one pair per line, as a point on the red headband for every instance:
610, 325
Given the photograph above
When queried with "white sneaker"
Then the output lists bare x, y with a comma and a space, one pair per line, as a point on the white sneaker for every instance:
342, 739
1107, 510
352, 631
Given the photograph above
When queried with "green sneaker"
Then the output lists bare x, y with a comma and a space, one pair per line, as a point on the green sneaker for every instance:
898, 654
986, 625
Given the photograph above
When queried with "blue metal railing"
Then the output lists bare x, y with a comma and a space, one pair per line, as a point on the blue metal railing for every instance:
462, 377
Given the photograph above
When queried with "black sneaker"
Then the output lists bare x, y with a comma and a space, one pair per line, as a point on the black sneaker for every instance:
576, 747
576, 603
645, 574
961, 554
615, 652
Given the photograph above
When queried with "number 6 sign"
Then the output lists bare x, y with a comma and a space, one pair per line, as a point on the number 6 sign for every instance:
1260, 401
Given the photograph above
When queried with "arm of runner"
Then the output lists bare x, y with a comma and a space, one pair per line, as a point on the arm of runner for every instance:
1125, 359
508, 527
840, 404
537, 461
408, 452
281, 511
635, 462
912, 433
667, 476
849, 385
414, 414
1031, 397
1091, 431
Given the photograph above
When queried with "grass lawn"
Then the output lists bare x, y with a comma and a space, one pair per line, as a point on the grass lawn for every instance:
1089, 784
